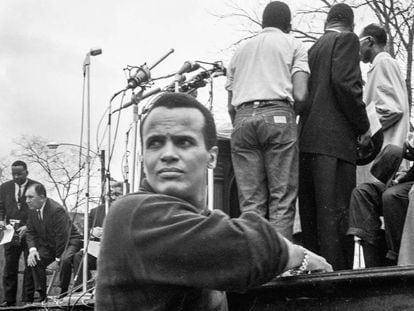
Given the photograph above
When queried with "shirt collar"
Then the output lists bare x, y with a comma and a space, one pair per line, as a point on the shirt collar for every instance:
23, 185
42, 208
271, 29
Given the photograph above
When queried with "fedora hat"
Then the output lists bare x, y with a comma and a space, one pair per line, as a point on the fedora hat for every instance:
367, 154
387, 163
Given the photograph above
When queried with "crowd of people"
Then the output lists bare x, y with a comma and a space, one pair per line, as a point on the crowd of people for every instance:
316, 160
46, 236
163, 249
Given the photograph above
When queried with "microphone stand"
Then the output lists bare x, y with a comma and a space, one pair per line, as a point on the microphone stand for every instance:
210, 171
86, 74
136, 120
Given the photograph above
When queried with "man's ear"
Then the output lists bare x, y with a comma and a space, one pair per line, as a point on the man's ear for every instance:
212, 157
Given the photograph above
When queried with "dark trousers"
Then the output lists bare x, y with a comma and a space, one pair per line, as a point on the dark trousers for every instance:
12, 253
325, 186
66, 264
368, 202
78, 267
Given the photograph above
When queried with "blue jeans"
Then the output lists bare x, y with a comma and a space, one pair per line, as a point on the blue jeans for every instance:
265, 159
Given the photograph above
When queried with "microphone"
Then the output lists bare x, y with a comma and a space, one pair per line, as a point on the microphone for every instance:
170, 87
137, 98
187, 67
94, 52
142, 75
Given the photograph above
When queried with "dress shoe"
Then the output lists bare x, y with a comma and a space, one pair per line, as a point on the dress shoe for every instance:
7, 304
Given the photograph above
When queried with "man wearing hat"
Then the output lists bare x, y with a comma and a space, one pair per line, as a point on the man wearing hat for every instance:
387, 198
334, 120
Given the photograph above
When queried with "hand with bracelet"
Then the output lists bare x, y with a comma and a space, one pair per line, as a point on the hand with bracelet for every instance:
301, 260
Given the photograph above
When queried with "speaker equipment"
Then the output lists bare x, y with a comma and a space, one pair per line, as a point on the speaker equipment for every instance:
225, 187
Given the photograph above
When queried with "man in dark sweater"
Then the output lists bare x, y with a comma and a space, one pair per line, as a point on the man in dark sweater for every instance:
162, 249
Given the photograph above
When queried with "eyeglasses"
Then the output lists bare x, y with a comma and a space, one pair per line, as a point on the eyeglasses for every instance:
365, 38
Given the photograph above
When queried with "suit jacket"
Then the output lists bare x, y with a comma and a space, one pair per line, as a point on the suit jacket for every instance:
335, 114
8, 204
97, 216
54, 231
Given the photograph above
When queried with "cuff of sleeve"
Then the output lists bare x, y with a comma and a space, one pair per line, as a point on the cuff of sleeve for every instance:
32, 249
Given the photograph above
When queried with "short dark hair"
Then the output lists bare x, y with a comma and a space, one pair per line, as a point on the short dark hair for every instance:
377, 32
181, 100
341, 13
276, 14
39, 189
20, 163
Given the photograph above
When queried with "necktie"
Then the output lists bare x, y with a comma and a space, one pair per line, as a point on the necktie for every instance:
19, 197
39, 215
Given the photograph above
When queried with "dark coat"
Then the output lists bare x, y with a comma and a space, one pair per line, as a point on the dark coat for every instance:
53, 231
8, 204
335, 114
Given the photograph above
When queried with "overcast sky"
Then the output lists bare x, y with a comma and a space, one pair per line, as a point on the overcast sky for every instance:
44, 43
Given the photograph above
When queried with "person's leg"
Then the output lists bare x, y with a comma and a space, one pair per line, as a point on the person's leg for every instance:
395, 204
333, 181
406, 253
28, 283
307, 204
10, 272
365, 209
78, 268
39, 271
66, 265
277, 134
248, 163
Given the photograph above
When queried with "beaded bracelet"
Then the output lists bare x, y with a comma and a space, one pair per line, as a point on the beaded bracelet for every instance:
304, 265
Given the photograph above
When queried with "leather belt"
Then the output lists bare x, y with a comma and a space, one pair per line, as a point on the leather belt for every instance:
260, 103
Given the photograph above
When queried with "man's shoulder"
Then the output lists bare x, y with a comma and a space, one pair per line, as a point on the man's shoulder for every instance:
150, 202
54, 206
7, 184
32, 181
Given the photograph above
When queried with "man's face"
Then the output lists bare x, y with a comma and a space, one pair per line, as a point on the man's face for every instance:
175, 155
33, 200
19, 174
116, 192
365, 48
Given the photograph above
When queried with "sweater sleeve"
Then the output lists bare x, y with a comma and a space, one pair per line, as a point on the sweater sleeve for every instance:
173, 244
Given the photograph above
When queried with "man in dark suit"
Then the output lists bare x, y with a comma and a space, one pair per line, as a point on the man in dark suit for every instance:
14, 210
332, 123
51, 237
96, 221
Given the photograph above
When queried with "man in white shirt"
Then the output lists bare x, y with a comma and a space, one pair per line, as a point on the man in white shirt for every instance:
267, 80
386, 90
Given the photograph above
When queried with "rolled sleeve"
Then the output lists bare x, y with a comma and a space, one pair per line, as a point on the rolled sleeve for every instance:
300, 61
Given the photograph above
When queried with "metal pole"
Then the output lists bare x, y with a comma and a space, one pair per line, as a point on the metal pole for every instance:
134, 151
88, 163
